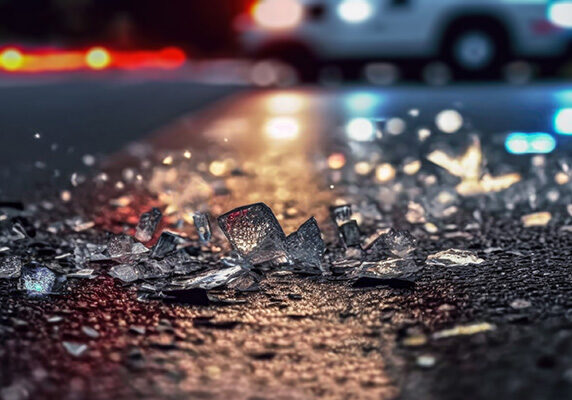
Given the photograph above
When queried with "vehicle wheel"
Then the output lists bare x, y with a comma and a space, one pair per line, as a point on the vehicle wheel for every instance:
476, 50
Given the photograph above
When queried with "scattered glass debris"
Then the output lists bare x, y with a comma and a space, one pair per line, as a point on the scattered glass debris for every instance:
212, 279
120, 246
10, 267
75, 349
464, 330
536, 219
125, 272
453, 257
148, 225
426, 361
203, 225
520, 304
86, 273
37, 278
415, 340
89, 331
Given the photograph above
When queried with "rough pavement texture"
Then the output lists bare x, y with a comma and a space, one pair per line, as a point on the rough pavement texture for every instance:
300, 338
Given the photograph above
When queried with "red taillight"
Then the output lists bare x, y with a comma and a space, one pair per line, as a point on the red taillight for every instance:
95, 58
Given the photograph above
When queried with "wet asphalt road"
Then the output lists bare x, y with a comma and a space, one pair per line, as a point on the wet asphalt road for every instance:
303, 338
100, 116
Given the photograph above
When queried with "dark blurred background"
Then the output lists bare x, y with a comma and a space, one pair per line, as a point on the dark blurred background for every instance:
200, 26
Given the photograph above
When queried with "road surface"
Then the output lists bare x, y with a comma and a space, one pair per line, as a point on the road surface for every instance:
498, 326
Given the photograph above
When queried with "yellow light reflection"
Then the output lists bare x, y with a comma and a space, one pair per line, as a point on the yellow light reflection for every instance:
561, 178
411, 168
336, 161
98, 58
11, 59
282, 128
363, 168
468, 167
536, 219
285, 103
385, 173
217, 168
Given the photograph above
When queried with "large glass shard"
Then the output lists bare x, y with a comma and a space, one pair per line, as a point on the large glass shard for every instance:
254, 232
305, 246
10, 267
341, 214
148, 225
395, 243
201, 221
454, 257
350, 233
166, 244
36, 278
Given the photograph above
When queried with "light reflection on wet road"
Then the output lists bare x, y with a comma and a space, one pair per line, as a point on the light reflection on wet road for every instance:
290, 145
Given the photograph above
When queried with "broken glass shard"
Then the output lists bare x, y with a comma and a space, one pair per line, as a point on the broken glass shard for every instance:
201, 221
119, 246
89, 331
454, 257
536, 219
254, 232
350, 233
341, 214
393, 268
125, 272
213, 278
305, 246
36, 278
10, 267
166, 244
464, 330
75, 349
394, 242
87, 273
180, 262
148, 225
246, 282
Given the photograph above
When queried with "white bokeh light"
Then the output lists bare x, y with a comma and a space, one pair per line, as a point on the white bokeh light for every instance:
449, 121
361, 130
355, 11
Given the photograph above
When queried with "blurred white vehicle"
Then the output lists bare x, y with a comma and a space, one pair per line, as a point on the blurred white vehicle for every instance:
475, 37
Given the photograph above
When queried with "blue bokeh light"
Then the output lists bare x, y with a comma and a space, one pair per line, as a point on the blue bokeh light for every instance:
530, 143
